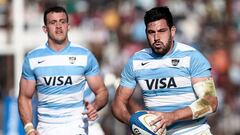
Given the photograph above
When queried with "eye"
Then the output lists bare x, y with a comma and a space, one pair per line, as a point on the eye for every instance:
53, 22
63, 21
163, 30
150, 32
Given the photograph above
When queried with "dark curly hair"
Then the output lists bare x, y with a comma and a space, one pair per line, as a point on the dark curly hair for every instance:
158, 13
54, 9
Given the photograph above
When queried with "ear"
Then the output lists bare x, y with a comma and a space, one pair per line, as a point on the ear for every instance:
146, 33
69, 27
45, 29
173, 31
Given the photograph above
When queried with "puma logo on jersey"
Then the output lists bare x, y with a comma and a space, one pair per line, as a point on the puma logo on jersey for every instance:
160, 83
58, 80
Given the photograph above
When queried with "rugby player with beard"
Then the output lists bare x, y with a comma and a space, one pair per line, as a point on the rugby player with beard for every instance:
175, 80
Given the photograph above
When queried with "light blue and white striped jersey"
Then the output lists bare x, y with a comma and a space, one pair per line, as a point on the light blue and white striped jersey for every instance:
166, 80
89, 95
60, 78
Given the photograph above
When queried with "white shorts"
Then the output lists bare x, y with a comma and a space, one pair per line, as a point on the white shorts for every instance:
198, 130
95, 128
206, 132
71, 128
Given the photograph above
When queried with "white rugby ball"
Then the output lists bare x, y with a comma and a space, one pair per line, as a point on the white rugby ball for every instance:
139, 124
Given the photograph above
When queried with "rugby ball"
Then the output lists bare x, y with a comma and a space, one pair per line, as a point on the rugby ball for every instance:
139, 124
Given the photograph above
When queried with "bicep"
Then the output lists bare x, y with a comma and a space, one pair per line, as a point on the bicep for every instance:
123, 94
205, 88
199, 79
96, 83
27, 88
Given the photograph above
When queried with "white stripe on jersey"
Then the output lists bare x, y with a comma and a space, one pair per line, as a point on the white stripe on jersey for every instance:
75, 79
153, 64
62, 98
168, 100
75, 113
58, 60
184, 47
63, 111
180, 82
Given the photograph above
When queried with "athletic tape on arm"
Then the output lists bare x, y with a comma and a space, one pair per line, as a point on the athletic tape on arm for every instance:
202, 107
29, 128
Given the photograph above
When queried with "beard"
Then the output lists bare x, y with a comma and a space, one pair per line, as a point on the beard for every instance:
160, 48
57, 40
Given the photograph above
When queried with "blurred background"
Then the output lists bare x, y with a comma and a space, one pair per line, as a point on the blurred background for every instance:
114, 30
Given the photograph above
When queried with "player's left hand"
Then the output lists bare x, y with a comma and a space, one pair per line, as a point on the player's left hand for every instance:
163, 120
91, 111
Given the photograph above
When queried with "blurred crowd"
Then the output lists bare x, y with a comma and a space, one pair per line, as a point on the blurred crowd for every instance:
114, 30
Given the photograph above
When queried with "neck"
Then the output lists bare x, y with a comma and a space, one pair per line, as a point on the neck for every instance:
57, 46
171, 48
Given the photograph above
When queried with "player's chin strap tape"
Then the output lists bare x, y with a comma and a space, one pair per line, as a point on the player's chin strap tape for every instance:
29, 128
201, 107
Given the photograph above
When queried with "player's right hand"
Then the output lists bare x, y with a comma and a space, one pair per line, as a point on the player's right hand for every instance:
91, 111
34, 133
163, 120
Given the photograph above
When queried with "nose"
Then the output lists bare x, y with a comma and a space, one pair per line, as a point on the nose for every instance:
156, 36
58, 24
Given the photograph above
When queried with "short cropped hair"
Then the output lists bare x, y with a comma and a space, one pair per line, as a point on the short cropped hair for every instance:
158, 13
57, 9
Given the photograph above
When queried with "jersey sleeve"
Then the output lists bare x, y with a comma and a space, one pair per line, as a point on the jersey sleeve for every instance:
199, 66
27, 72
128, 78
92, 67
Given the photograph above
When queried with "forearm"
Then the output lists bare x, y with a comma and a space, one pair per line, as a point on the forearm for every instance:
101, 99
27, 89
202, 107
133, 106
25, 109
207, 99
182, 114
120, 111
